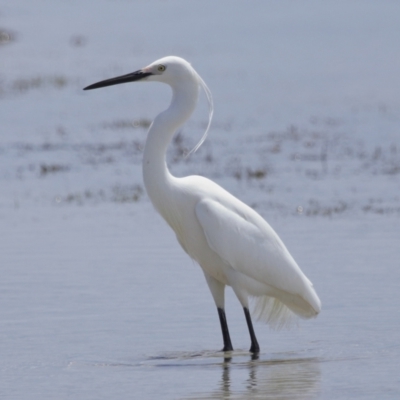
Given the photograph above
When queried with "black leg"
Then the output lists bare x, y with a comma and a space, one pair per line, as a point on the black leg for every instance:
225, 331
255, 348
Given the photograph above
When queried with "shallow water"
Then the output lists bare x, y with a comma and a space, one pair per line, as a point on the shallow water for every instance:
100, 302
97, 300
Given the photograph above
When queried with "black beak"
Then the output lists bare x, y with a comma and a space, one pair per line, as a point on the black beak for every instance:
132, 77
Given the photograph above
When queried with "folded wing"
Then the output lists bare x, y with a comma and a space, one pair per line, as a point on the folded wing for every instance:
246, 242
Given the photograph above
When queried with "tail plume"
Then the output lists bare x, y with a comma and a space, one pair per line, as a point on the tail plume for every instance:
284, 312
273, 312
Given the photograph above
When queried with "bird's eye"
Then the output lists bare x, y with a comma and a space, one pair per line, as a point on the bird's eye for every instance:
161, 68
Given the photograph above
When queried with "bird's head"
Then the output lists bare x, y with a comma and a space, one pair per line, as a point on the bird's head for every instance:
171, 70
174, 71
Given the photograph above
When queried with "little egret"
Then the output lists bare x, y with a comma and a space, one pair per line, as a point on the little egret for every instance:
231, 242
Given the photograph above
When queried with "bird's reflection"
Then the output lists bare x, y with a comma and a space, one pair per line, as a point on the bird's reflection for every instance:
296, 378
225, 381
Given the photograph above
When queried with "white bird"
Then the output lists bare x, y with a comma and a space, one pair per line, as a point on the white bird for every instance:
231, 242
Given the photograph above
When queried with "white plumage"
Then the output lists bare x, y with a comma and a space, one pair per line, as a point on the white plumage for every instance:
231, 242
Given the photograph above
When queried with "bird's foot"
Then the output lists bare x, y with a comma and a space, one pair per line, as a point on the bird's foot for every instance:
227, 348
255, 348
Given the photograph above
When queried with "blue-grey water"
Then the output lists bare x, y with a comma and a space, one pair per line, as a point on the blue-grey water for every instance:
97, 299
101, 302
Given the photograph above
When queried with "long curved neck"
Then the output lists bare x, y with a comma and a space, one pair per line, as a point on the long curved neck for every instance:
156, 175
